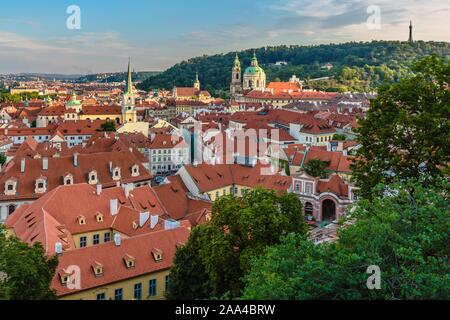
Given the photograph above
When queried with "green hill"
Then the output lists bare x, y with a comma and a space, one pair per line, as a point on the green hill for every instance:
356, 65
116, 77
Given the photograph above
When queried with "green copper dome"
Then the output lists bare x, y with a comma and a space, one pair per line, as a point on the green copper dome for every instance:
254, 68
73, 101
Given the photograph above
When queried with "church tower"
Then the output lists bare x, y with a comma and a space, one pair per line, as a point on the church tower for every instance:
197, 82
254, 76
410, 32
128, 100
236, 81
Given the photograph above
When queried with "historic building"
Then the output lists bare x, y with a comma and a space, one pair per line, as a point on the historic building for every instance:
192, 93
236, 78
129, 114
254, 76
323, 199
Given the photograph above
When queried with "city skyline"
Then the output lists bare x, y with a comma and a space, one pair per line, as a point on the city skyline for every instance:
34, 37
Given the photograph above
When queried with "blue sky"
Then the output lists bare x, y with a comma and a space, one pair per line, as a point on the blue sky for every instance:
157, 34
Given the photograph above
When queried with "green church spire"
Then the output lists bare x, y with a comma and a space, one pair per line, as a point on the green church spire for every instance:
237, 63
129, 80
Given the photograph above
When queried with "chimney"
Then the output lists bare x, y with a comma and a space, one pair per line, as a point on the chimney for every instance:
22, 165
75, 159
153, 221
99, 189
58, 248
45, 163
143, 218
117, 239
127, 188
113, 207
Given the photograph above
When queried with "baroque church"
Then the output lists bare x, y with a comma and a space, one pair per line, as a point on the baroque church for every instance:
254, 77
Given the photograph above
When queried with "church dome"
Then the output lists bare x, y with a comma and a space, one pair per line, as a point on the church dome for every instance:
254, 69
73, 102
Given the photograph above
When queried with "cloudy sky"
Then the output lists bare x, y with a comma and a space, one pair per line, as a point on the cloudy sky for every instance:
34, 36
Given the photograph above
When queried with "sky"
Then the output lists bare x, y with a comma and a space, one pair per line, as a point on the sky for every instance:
156, 34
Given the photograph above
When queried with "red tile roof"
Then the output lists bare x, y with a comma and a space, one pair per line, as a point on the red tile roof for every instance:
61, 166
112, 259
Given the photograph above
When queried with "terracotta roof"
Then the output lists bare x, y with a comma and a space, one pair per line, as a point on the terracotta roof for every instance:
97, 110
277, 87
112, 259
336, 161
334, 185
60, 166
166, 141
212, 177
174, 196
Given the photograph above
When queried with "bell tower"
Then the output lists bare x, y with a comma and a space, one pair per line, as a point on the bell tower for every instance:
128, 100
197, 82
236, 77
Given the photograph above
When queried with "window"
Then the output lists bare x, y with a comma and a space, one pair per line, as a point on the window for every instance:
217, 194
96, 239
118, 294
152, 288
308, 187
107, 237
83, 242
166, 280
138, 291
101, 296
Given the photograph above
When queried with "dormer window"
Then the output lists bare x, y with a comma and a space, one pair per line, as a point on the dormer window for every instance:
135, 170
97, 268
130, 261
68, 179
10, 187
93, 177
99, 217
64, 277
81, 220
116, 174
41, 185
157, 255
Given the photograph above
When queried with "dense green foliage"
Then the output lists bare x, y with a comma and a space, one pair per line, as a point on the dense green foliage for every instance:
218, 253
339, 136
18, 97
117, 77
26, 272
109, 126
406, 131
405, 233
2, 158
317, 168
357, 65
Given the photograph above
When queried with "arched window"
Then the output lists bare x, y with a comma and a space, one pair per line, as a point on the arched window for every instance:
11, 209
308, 209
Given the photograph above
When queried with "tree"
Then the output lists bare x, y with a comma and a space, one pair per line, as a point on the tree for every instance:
405, 132
218, 253
2, 158
404, 233
109, 126
339, 137
317, 168
26, 271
